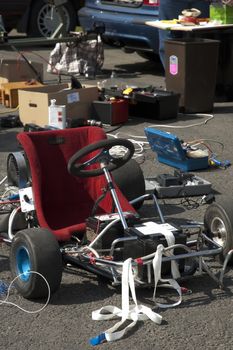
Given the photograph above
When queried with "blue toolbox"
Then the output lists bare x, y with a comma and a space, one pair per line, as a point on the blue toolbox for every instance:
171, 152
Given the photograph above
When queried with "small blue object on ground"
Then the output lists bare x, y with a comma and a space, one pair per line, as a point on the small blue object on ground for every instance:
3, 287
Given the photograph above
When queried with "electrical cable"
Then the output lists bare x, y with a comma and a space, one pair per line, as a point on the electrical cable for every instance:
5, 301
3, 180
193, 150
208, 140
97, 202
139, 152
138, 145
112, 130
195, 143
190, 203
209, 117
92, 250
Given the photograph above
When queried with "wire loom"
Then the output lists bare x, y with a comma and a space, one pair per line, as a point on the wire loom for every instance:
5, 289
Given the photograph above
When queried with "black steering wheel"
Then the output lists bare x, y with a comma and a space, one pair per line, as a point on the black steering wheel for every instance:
107, 158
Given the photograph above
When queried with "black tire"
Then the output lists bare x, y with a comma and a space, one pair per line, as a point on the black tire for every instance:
39, 27
218, 222
130, 180
35, 249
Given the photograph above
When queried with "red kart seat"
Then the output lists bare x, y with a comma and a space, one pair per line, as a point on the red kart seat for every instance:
62, 201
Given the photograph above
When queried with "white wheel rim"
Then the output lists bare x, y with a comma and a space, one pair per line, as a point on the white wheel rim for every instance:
49, 19
219, 232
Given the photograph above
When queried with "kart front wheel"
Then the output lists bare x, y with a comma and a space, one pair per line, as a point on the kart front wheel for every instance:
218, 222
35, 249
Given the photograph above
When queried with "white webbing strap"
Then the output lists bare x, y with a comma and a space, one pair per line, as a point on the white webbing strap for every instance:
168, 283
133, 312
170, 238
128, 312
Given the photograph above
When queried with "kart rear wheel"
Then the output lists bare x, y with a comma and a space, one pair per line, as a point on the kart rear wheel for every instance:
130, 180
218, 222
35, 249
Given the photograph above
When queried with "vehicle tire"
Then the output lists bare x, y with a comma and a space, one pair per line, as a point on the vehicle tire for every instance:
41, 24
150, 56
35, 249
218, 223
130, 180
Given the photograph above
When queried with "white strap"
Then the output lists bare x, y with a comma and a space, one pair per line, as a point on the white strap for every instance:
133, 312
170, 283
128, 312
168, 234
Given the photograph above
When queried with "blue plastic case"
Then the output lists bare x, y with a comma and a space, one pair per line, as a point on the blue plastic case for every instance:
170, 151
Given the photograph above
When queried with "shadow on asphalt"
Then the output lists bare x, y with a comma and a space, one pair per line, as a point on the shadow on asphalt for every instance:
149, 210
181, 118
4, 263
146, 67
223, 109
91, 288
202, 290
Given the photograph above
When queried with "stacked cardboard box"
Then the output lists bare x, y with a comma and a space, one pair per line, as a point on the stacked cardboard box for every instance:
34, 102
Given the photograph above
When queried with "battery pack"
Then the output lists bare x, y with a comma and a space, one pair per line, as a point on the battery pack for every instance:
147, 242
95, 224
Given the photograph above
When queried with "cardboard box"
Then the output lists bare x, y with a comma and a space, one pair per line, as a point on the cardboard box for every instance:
19, 70
9, 92
34, 103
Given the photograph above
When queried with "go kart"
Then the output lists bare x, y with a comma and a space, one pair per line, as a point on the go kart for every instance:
72, 197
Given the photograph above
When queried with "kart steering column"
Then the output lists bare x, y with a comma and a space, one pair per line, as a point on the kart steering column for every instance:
114, 195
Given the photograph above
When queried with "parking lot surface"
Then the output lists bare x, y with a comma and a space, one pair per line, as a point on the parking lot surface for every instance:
204, 319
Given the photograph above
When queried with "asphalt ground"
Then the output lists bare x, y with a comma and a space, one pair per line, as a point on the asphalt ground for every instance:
204, 319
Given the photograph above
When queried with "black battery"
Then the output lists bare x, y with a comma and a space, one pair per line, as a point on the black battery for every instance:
156, 104
147, 244
95, 224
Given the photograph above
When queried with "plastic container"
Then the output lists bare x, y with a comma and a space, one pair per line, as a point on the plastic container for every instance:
170, 151
57, 115
191, 70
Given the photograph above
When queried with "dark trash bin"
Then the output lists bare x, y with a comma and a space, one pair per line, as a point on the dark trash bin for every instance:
191, 70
